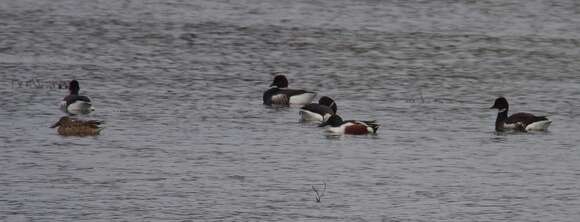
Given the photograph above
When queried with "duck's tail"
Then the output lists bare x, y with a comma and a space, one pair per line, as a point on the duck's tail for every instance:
373, 125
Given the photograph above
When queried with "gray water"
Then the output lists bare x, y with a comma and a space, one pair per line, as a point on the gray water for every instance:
179, 84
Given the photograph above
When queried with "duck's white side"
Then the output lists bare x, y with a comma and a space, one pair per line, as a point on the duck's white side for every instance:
308, 116
302, 99
539, 126
76, 108
339, 129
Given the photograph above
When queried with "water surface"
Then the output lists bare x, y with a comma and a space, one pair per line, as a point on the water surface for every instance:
179, 84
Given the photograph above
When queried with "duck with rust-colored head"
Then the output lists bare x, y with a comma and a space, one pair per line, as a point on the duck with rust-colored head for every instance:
68, 126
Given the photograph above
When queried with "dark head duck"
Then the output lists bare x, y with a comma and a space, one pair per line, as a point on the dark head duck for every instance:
73, 87
519, 121
74, 103
279, 94
280, 81
353, 127
327, 101
318, 112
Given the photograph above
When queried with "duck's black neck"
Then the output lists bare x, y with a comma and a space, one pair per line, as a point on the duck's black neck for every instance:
501, 118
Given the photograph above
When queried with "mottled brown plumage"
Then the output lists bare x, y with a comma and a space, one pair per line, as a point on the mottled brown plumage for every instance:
68, 126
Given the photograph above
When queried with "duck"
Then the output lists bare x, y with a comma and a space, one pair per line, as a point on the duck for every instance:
523, 122
279, 94
318, 112
68, 126
74, 103
353, 127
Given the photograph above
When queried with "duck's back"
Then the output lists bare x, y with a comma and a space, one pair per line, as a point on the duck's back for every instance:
529, 122
524, 118
317, 108
277, 96
79, 130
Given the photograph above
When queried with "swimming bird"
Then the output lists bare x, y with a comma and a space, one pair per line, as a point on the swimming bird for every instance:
318, 112
68, 126
519, 121
353, 127
74, 103
279, 94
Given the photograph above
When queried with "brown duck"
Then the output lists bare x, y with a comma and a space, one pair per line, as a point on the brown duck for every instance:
68, 126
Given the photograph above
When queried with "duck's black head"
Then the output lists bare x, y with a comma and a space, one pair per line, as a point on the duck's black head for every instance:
280, 81
334, 121
73, 87
327, 101
500, 104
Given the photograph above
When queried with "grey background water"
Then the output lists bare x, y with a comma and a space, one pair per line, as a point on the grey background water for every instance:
179, 84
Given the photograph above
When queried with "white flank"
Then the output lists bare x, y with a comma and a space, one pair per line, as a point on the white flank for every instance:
308, 116
80, 107
302, 99
339, 129
326, 117
370, 129
539, 126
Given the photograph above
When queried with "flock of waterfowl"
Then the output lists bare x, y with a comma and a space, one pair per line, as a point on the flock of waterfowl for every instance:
324, 112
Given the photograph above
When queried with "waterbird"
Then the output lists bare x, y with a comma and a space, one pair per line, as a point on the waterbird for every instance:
517, 122
353, 127
279, 94
318, 112
74, 103
68, 126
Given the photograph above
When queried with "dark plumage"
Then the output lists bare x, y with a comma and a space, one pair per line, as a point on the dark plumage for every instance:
320, 111
518, 121
75, 103
279, 94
